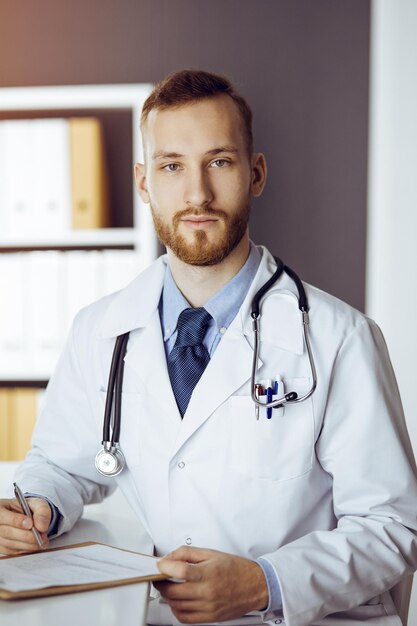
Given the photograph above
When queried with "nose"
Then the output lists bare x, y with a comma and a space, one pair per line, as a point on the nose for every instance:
198, 191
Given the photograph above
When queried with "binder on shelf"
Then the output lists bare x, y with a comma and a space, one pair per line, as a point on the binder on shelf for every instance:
89, 180
35, 177
84, 271
4, 425
52, 188
13, 327
120, 268
22, 422
3, 179
19, 180
45, 300
18, 410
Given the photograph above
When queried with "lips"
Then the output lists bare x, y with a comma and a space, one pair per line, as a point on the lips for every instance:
196, 218
200, 218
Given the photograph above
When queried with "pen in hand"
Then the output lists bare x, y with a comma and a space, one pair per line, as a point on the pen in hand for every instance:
26, 510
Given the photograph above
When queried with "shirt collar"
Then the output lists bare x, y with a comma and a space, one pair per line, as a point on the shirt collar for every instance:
223, 306
171, 304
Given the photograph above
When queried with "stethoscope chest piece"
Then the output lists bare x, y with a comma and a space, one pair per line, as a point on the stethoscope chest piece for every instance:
110, 460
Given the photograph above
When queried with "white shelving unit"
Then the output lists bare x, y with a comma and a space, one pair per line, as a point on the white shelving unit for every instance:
100, 237
140, 238
127, 97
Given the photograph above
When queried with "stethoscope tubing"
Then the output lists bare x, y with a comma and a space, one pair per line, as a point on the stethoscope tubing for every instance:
115, 387
292, 397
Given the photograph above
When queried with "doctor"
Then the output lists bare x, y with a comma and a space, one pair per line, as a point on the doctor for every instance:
309, 514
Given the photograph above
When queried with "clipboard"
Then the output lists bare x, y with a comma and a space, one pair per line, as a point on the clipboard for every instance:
6, 594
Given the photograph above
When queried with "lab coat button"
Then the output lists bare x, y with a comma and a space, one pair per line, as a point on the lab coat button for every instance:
278, 621
181, 464
188, 541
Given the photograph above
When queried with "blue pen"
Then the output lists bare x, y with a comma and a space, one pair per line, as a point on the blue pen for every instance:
275, 388
269, 399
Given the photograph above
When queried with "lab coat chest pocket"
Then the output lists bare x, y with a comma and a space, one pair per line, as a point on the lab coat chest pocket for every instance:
132, 407
275, 449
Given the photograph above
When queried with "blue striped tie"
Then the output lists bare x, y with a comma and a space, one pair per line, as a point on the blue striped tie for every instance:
189, 357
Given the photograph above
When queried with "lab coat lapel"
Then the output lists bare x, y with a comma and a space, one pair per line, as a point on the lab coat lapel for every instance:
133, 307
135, 310
146, 357
228, 370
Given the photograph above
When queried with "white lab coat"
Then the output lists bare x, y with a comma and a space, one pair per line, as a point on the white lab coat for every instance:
326, 491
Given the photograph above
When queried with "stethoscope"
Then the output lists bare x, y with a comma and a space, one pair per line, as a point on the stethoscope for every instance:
110, 460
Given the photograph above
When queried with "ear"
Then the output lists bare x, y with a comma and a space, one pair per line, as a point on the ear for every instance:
259, 171
141, 185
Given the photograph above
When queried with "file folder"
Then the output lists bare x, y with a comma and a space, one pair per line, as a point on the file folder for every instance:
89, 180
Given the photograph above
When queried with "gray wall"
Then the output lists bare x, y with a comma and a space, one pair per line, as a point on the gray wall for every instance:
302, 64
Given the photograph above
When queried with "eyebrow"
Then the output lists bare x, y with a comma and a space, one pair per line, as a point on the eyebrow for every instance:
161, 154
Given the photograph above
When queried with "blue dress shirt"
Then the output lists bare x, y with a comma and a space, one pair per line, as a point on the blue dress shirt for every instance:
223, 306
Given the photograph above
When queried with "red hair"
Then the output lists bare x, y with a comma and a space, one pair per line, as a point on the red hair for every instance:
188, 86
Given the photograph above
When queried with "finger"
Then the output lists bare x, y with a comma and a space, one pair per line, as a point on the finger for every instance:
17, 547
191, 616
192, 610
11, 515
191, 555
13, 545
188, 606
41, 513
180, 570
26, 537
177, 591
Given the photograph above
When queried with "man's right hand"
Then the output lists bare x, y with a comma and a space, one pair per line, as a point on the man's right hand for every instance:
15, 527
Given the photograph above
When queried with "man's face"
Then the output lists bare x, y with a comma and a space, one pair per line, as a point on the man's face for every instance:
198, 179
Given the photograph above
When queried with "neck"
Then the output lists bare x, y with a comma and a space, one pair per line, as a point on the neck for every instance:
199, 284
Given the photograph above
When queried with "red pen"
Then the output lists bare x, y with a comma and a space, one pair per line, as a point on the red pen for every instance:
259, 391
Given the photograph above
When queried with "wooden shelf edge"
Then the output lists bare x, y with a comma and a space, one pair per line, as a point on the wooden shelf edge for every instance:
24, 383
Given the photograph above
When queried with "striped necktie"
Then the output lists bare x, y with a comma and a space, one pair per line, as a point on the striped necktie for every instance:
189, 357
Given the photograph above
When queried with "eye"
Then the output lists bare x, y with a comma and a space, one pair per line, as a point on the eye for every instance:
171, 167
220, 163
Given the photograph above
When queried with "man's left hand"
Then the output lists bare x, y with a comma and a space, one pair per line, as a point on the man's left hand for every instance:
217, 586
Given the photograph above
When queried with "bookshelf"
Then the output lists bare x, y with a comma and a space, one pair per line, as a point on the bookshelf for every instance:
129, 237
118, 108
37, 102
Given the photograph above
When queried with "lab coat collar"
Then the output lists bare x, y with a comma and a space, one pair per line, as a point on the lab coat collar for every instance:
281, 323
133, 306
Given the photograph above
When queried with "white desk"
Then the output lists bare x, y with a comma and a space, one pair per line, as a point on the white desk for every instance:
113, 523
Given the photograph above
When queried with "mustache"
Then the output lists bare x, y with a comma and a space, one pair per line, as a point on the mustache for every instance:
198, 212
